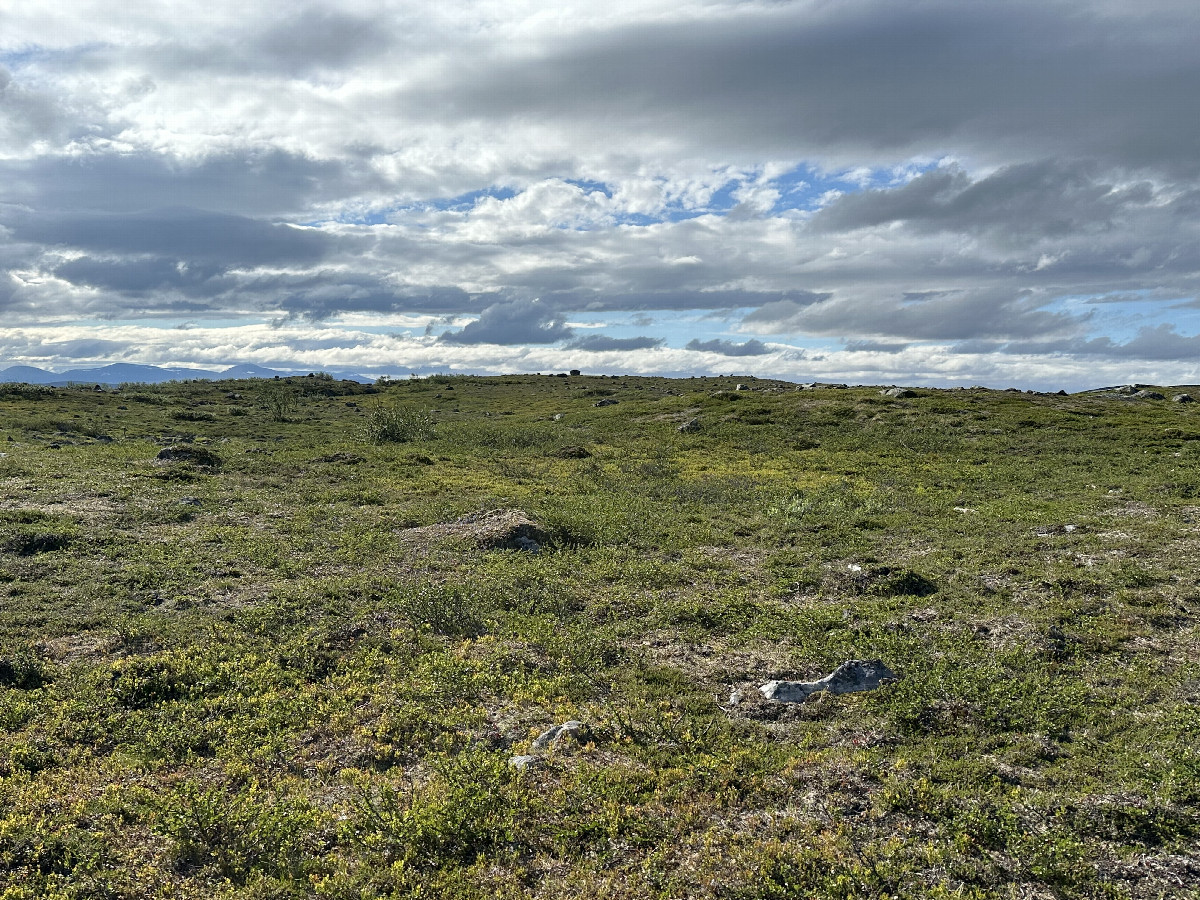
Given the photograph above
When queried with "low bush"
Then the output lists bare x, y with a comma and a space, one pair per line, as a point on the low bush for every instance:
397, 426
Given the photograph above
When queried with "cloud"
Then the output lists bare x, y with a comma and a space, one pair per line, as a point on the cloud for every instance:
729, 348
249, 181
598, 343
1045, 199
874, 347
1159, 342
326, 295
139, 276
512, 322
317, 38
957, 315
871, 79
677, 299
188, 234
869, 173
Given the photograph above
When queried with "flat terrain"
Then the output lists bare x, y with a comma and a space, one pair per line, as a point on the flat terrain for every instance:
296, 655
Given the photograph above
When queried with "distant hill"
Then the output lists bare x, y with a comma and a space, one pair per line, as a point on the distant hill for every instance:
129, 373
26, 375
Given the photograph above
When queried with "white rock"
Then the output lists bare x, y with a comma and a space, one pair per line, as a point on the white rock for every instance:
551, 736
848, 678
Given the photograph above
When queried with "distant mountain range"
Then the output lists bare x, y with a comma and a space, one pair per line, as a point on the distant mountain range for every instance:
126, 373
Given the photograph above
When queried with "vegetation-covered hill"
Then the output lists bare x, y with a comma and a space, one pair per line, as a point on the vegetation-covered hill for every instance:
297, 655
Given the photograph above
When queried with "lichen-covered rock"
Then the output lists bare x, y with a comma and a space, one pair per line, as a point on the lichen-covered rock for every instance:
850, 677
552, 736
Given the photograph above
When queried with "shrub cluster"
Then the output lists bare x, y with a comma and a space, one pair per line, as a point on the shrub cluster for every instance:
397, 426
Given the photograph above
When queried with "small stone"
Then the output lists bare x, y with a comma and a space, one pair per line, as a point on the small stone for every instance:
689, 427
1149, 395
523, 762
607, 401
1183, 398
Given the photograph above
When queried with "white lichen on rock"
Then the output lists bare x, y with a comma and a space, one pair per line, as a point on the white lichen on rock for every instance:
848, 678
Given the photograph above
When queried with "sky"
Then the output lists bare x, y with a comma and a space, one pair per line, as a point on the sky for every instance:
924, 192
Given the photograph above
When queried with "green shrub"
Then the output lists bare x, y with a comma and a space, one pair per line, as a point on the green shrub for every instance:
397, 426
472, 806
242, 831
279, 400
22, 670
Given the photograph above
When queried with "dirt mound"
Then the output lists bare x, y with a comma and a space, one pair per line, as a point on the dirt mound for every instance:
498, 529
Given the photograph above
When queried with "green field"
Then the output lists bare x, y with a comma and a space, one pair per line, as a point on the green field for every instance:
297, 658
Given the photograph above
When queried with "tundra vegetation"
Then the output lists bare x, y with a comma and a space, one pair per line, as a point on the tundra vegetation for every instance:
293, 656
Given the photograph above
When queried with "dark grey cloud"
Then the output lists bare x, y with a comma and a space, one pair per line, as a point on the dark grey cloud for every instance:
312, 41
601, 342
323, 295
1048, 198
751, 347
8, 289
677, 299
782, 313
251, 182
513, 322
140, 276
317, 38
1019, 78
184, 234
959, 315
1159, 343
